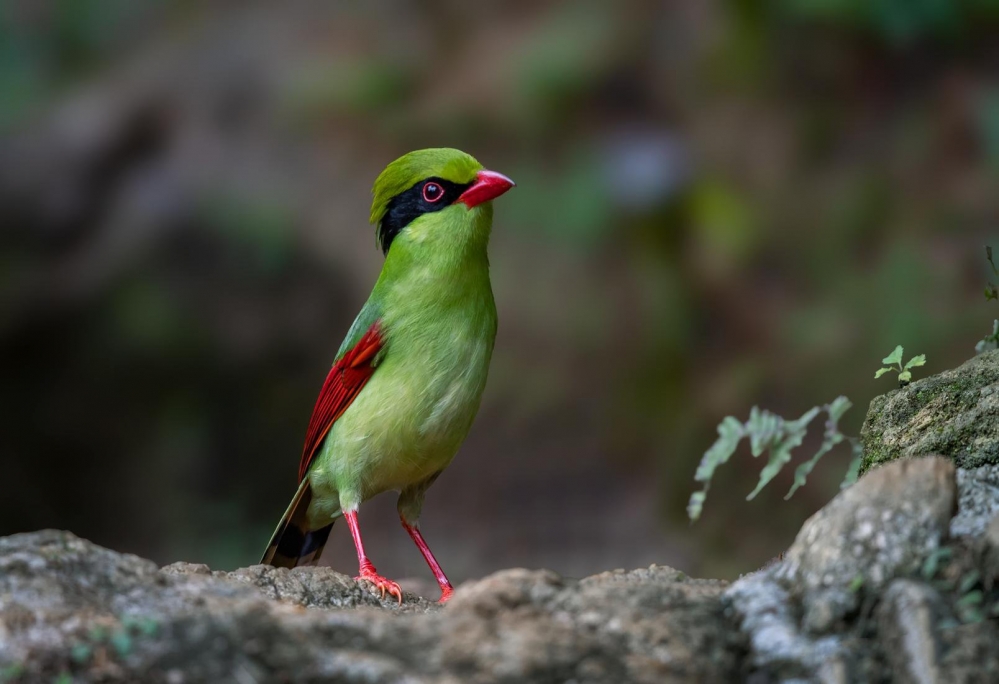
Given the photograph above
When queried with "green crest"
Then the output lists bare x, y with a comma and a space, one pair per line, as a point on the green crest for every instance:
409, 169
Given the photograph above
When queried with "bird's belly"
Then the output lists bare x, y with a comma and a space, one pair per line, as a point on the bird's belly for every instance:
406, 424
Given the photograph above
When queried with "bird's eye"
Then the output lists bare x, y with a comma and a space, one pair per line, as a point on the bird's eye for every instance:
432, 192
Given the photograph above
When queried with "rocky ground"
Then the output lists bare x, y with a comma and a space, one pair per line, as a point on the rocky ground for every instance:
894, 580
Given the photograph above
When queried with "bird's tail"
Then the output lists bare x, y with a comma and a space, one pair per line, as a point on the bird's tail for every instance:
293, 543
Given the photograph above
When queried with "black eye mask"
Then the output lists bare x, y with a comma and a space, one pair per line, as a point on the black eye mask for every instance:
413, 203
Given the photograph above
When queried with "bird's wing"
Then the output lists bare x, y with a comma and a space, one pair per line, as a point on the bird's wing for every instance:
355, 364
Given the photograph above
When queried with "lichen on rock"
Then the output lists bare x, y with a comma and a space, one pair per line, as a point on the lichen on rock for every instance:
864, 555
954, 414
882, 527
71, 609
848, 602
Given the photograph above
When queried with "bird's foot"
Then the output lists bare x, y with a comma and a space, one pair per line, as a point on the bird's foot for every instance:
381, 584
446, 594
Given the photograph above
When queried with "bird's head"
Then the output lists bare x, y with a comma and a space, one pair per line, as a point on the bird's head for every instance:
435, 196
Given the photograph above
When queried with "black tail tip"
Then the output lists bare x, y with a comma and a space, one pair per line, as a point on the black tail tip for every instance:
293, 546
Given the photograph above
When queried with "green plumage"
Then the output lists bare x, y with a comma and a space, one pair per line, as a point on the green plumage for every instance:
437, 318
439, 322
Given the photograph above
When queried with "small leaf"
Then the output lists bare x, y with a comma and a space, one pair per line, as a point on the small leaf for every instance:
832, 437
780, 453
802, 423
853, 470
990, 341
121, 641
855, 584
932, 562
971, 615
991, 292
80, 653
894, 357
730, 431
972, 598
696, 504
802, 472
882, 372
904, 377
916, 361
838, 407
969, 581
763, 428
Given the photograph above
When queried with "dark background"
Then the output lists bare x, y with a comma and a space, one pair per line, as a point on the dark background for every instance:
719, 204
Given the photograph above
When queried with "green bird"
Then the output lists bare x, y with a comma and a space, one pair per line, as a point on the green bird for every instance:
407, 381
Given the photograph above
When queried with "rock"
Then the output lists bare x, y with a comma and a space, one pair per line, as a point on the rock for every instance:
954, 414
69, 607
796, 614
882, 527
311, 587
72, 610
535, 626
978, 500
990, 553
883, 584
765, 613
907, 618
970, 653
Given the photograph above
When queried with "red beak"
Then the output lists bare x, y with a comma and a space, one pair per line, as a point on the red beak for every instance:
488, 185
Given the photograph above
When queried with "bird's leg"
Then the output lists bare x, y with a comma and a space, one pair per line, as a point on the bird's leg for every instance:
367, 568
446, 589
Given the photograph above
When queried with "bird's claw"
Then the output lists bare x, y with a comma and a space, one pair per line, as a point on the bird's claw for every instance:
382, 585
446, 594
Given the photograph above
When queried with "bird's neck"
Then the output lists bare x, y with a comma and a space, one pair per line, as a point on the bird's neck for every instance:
445, 251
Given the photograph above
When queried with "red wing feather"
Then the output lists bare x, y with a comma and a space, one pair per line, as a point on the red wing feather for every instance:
349, 374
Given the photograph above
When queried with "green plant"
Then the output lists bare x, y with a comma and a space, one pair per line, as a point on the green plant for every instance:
932, 564
11, 672
80, 653
894, 363
990, 342
121, 640
971, 602
779, 437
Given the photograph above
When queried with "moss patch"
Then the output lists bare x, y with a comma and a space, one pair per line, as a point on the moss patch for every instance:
955, 414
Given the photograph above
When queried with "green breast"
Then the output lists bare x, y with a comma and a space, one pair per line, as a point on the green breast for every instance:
439, 323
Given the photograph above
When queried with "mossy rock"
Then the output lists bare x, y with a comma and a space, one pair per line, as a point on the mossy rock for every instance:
954, 414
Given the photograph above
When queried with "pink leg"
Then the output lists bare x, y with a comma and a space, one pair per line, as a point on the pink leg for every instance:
446, 589
367, 568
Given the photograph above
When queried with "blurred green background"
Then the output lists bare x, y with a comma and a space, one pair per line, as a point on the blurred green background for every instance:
719, 204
